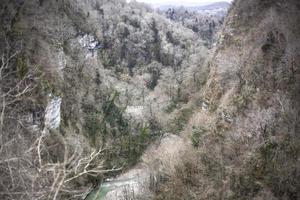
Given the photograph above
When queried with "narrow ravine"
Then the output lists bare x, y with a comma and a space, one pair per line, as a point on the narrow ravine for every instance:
158, 158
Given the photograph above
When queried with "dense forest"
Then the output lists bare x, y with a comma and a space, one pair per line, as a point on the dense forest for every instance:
116, 100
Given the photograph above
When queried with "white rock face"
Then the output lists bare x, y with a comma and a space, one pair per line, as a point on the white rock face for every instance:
52, 113
90, 44
87, 41
205, 106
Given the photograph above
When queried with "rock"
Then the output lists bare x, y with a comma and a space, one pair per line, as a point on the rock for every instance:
52, 113
89, 43
205, 106
135, 112
226, 116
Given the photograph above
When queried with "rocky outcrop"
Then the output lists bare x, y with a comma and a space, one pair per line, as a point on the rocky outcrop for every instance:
90, 44
52, 113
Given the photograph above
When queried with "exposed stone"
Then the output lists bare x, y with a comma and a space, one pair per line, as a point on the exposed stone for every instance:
52, 113
205, 106
90, 44
226, 116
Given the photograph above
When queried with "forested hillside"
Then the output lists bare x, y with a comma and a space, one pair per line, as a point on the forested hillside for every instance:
246, 134
104, 99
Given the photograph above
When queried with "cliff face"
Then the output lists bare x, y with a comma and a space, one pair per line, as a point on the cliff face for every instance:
246, 134
259, 86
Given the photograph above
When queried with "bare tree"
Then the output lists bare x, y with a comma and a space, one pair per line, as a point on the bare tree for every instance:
28, 167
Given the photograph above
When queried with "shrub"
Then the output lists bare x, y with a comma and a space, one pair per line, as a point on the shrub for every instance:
22, 68
196, 136
92, 126
273, 166
179, 185
107, 125
155, 75
177, 124
242, 99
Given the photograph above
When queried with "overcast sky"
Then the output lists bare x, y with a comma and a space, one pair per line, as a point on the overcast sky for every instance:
180, 2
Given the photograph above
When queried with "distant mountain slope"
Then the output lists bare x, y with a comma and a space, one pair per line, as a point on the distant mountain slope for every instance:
204, 20
212, 6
